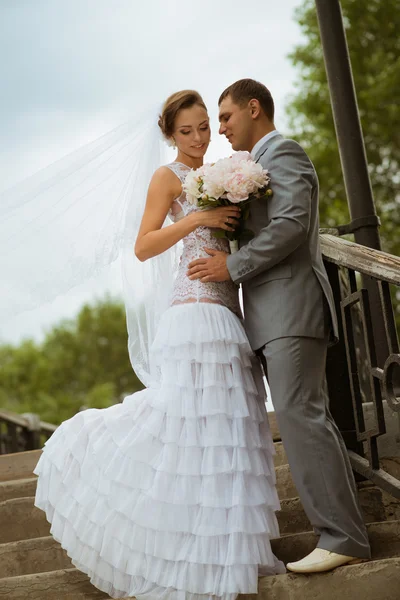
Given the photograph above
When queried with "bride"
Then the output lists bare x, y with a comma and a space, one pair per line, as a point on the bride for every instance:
171, 494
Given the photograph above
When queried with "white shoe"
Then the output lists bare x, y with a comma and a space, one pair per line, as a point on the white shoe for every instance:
321, 560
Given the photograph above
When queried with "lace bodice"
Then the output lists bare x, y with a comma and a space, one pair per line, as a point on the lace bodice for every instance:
185, 290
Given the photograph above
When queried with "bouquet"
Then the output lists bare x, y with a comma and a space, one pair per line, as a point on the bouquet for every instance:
234, 180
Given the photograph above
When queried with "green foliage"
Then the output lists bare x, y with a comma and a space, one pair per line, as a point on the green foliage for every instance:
372, 30
81, 363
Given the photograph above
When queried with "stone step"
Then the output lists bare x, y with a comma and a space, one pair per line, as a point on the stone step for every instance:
37, 555
371, 497
45, 554
376, 506
376, 580
273, 424
369, 581
371, 500
384, 539
280, 457
284, 483
19, 465
18, 488
66, 584
21, 488
21, 520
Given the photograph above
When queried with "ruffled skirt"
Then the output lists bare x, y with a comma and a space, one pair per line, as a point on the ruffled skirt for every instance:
171, 494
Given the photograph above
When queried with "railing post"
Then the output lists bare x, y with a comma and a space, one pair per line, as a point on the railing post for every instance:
353, 377
33, 425
365, 223
337, 375
22, 432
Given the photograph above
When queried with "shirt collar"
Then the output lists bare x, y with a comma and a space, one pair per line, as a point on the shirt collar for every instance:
261, 142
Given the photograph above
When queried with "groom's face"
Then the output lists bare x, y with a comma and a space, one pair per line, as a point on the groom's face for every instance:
236, 124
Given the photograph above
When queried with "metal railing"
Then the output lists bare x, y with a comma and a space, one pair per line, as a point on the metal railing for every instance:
353, 374
353, 371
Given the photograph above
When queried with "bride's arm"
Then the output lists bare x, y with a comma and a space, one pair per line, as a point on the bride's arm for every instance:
153, 239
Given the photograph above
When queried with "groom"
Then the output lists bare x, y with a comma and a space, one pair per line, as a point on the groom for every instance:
290, 320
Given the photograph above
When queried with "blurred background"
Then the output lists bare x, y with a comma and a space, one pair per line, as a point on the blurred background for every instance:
72, 71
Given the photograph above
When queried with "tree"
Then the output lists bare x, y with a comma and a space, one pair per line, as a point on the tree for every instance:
372, 30
81, 363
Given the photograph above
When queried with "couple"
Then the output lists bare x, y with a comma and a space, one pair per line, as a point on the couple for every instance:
171, 494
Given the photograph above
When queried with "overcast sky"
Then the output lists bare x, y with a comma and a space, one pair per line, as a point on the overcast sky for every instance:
70, 71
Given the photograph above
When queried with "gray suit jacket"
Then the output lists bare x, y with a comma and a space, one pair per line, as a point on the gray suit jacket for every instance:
281, 269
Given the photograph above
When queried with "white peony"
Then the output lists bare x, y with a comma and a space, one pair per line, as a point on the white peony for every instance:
214, 184
254, 172
234, 178
191, 186
240, 156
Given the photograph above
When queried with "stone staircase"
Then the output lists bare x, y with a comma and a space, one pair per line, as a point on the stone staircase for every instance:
34, 566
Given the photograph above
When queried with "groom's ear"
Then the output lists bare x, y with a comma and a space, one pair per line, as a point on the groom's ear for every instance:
255, 108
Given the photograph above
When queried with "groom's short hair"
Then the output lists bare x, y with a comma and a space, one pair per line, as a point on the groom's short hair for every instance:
244, 90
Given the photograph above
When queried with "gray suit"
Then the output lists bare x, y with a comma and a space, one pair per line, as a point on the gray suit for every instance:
290, 319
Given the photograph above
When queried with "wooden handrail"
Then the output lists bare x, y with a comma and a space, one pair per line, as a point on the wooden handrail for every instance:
47, 427
13, 418
374, 263
22, 421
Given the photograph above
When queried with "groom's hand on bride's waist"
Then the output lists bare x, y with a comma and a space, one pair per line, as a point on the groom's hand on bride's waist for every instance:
210, 269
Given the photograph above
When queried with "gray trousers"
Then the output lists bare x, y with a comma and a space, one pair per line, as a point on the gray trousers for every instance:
318, 460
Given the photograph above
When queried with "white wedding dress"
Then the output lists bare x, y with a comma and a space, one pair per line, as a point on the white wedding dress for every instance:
171, 494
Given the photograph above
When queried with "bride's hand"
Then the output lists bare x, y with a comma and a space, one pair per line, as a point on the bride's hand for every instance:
223, 217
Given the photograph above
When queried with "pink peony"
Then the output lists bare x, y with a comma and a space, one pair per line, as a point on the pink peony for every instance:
240, 156
238, 187
234, 178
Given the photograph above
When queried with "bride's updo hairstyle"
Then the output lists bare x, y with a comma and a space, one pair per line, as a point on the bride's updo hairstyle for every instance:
172, 106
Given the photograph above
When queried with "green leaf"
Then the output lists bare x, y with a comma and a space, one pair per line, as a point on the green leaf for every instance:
219, 234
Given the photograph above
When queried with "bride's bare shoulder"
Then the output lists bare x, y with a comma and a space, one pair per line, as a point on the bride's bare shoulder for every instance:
165, 171
165, 177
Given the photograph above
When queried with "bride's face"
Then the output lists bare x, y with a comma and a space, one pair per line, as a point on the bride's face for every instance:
192, 131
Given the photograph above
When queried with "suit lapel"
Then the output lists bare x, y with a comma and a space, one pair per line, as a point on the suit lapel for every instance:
265, 146
260, 152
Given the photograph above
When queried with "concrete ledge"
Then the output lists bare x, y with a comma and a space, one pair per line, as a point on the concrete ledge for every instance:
37, 555
280, 457
376, 506
19, 465
21, 520
369, 581
276, 436
45, 554
68, 584
384, 539
19, 488
284, 483
286, 488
